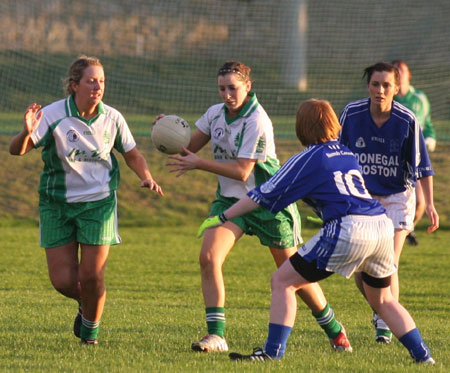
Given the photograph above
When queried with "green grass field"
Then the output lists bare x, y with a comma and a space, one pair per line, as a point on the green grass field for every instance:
154, 308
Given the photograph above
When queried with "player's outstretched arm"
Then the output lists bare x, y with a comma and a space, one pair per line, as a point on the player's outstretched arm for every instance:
136, 161
22, 143
238, 170
241, 207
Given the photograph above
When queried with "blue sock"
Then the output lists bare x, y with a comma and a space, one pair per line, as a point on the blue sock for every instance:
414, 343
276, 341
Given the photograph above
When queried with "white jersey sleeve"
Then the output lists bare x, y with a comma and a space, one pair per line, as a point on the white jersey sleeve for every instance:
51, 116
256, 135
206, 121
124, 141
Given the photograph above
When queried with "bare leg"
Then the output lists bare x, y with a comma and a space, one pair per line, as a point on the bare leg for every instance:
285, 283
62, 262
216, 245
359, 283
391, 311
399, 240
400, 322
311, 294
92, 280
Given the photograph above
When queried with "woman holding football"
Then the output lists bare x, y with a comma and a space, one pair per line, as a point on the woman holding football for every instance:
77, 193
242, 140
388, 143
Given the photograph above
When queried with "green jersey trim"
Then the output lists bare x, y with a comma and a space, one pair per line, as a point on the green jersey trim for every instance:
246, 110
118, 141
264, 170
241, 137
114, 174
53, 181
72, 110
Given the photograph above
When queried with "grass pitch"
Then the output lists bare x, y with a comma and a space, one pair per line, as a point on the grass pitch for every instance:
154, 308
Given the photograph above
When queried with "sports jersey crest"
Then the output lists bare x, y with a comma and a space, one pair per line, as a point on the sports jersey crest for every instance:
218, 133
72, 136
267, 187
360, 143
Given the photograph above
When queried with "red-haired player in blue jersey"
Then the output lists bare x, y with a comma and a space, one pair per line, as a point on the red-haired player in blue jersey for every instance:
356, 236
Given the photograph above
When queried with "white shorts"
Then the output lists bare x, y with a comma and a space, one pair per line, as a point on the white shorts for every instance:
400, 208
354, 243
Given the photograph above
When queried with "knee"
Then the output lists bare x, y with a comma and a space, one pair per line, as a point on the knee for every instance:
208, 262
62, 285
276, 282
380, 300
63, 281
91, 279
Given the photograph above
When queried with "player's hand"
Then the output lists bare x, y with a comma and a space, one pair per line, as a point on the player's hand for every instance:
158, 117
152, 185
31, 120
434, 219
183, 163
430, 143
211, 222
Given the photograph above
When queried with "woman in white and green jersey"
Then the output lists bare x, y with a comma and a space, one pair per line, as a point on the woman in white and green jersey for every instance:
77, 191
242, 140
416, 101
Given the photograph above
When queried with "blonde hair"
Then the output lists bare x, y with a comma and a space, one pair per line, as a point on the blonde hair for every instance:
316, 122
76, 71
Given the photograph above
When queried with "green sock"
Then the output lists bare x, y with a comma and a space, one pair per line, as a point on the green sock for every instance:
215, 319
328, 322
89, 329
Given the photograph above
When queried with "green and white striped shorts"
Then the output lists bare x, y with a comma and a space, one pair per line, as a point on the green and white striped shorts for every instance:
281, 230
91, 223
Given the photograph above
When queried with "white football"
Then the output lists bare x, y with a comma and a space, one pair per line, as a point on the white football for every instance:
170, 134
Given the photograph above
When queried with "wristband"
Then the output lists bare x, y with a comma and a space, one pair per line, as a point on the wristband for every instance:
223, 218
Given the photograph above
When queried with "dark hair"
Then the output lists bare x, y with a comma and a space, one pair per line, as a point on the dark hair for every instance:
76, 70
242, 71
316, 122
380, 67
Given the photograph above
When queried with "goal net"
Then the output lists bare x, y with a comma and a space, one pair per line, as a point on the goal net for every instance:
162, 56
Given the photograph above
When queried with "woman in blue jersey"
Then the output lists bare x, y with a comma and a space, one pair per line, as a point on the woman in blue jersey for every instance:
356, 235
77, 199
388, 143
242, 140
